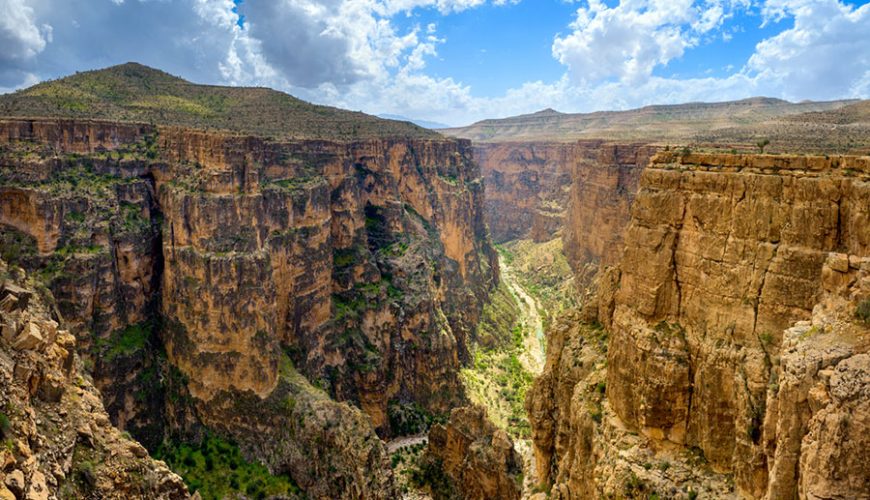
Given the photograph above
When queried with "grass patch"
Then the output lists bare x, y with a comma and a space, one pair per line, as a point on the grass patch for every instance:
5, 424
127, 341
216, 469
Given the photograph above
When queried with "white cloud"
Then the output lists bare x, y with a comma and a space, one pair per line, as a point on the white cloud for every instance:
21, 39
629, 40
354, 54
825, 55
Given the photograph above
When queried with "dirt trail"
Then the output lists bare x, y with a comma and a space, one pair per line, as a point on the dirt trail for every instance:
405, 442
533, 354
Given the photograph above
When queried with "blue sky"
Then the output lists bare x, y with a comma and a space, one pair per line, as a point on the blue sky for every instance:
458, 61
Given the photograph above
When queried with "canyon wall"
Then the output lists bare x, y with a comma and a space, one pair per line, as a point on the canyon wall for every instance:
526, 187
228, 265
604, 181
583, 190
733, 341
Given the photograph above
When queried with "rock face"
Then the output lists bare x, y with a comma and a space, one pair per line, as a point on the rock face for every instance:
722, 254
478, 458
604, 181
537, 189
526, 187
364, 263
59, 441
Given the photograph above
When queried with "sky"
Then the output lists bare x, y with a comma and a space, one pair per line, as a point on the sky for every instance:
459, 61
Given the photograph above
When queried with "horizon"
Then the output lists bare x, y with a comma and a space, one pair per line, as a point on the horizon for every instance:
457, 62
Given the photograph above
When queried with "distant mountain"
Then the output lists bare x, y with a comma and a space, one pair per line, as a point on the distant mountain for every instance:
421, 123
136, 93
662, 123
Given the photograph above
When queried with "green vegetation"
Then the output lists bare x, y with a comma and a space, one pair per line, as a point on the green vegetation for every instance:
429, 473
216, 469
135, 93
407, 419
862, 312
544, 272
496, 378
4, 425
762, 144
296, 183
16, 247
134, 221
126, 341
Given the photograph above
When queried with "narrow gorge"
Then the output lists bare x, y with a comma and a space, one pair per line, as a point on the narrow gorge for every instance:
226, 292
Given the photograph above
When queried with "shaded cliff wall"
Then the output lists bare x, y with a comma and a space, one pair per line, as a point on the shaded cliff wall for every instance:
526, 187
732, 266
604, 181
364, 265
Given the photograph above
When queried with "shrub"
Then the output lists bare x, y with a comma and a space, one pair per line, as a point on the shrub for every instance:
862, 312
4, 424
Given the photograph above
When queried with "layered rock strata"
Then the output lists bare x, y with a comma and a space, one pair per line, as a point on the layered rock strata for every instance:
722, 255
604, 181
364, 264
526, 187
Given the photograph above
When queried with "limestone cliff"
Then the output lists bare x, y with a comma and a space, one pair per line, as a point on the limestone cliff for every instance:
604, 181
582, 190
723, 254
58, 441
209, 261
478, 459
526, 187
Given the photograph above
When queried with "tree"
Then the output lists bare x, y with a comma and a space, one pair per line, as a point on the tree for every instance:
762, 144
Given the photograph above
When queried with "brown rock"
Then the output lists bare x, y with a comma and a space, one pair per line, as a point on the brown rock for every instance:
839, 262
15, 482
30, 337
38, 490
479, 459
721, 255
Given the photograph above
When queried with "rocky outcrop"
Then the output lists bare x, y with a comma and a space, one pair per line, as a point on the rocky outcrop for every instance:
526, 187
817, 407
365, 263
478, 458
58, 438
582, 448
722, 254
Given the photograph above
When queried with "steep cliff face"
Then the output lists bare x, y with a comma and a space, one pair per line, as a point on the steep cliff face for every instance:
604, 181
583, 190
58, 441
364, 264
722, 254
526, 187
479, 459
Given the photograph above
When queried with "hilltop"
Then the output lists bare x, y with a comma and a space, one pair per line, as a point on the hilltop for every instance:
805, 125
135, 93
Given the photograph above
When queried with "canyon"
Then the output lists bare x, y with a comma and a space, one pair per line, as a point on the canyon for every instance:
347, 307
293, 296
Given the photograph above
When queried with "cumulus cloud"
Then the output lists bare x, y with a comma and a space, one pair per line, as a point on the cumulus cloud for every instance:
629, 40
355, 54
825, 55
21, 39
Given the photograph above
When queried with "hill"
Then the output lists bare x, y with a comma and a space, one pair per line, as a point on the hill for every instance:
681, 123
135, 93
